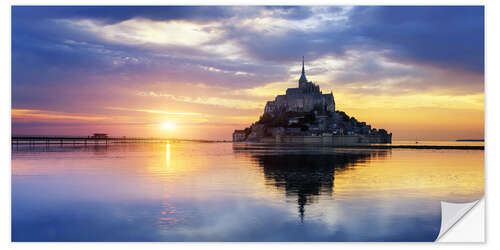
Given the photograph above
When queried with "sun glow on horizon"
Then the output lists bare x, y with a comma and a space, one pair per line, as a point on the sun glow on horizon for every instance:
167, 125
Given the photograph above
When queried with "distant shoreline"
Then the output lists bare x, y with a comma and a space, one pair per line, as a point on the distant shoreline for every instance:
388, 146
464, 147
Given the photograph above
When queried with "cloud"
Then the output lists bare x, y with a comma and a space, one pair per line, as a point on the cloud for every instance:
29, 114
447, 37
124, 53
116, 14
216, 101
372, 67
163, 112
444, 36
246, 50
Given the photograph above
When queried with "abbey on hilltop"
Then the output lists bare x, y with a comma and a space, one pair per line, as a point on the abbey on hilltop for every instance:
306, 115
305, 98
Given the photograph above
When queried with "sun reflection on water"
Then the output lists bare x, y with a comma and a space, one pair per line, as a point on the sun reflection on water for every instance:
168, 155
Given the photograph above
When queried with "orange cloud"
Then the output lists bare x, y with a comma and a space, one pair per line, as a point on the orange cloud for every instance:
33, 114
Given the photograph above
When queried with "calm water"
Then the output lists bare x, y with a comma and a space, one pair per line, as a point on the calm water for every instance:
225, 192
439, 143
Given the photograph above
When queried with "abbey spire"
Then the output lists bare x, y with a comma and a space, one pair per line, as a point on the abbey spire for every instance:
303, 78
303, 71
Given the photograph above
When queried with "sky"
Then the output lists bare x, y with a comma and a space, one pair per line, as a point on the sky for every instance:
202, 72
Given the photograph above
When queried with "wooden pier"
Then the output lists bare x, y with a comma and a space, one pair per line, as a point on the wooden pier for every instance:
40, 140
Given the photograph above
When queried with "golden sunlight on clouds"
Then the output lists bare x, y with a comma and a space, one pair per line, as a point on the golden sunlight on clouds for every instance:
156, 111
439, 117
269, 90
33, 114
159, 116
216, 101
424, 123
166, 112
428, 100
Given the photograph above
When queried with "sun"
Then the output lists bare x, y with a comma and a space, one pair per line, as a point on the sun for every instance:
168, 125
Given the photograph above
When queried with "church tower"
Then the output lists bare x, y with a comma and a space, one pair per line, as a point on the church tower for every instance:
303, 79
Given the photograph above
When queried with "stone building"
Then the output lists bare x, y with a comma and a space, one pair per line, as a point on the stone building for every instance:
239, 135
305, 98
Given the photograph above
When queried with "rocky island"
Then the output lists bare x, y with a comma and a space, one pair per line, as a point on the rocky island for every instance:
306, 115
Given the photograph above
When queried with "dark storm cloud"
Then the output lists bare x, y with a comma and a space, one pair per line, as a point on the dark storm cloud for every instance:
114, 14
365, 69
450, 37
288, 47
447, 37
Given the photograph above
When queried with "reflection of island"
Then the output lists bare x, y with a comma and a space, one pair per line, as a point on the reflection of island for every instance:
304, 174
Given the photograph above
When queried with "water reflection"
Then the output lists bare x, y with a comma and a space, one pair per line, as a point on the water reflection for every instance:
96, 149
168, 155
226, 192
302, 173
169, 215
